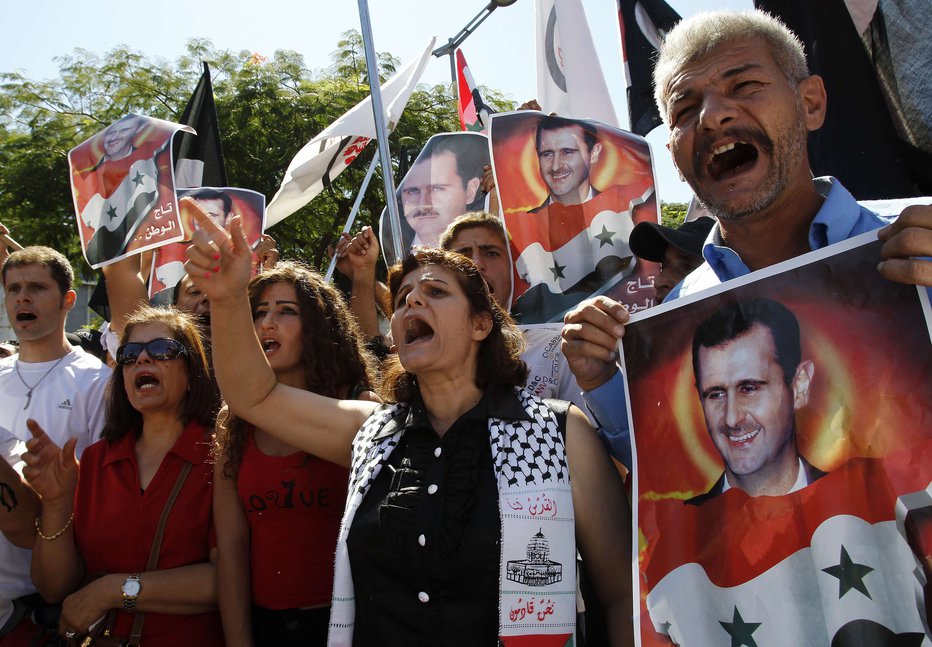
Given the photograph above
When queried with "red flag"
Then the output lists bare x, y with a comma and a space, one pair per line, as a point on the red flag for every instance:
474, 114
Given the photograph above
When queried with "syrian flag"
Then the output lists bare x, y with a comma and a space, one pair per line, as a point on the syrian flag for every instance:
569, 76
199, 157
643, 26
832, 564
474, 113
324, 157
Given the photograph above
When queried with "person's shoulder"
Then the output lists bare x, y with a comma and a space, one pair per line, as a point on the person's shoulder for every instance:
83, 363
701, 278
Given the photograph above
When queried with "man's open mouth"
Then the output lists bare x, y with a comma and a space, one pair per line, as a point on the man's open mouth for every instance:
25, 316
417, 330
731, 159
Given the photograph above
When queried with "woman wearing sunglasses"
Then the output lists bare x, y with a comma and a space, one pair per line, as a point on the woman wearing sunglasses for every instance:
468, 495
278, 509
127, 542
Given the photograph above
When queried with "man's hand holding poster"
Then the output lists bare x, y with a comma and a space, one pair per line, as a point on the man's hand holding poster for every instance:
783, 457
122, 181
571, 191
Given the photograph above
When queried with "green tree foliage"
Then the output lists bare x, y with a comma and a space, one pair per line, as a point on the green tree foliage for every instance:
268, 109
673, 214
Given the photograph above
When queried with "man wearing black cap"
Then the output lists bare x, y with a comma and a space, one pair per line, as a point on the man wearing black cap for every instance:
679, 251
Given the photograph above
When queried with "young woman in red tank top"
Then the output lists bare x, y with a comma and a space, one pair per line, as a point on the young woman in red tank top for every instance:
277, 509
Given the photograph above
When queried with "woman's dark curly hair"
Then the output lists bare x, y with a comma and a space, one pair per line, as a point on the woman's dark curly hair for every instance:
332, 351
201, 400
499, 361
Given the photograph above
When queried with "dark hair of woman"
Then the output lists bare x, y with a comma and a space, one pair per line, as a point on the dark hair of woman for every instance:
333, 354
499, 362
202, 398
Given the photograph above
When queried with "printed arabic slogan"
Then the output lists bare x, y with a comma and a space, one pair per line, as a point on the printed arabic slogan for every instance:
571, 191
222, 204
122, 182
442, 184
783, 456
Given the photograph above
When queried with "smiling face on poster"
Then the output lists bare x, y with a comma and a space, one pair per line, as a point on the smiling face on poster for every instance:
442, 184
122, 182
221, 204
777, 458
571, 191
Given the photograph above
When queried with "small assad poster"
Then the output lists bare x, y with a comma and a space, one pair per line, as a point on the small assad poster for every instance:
782, 427
570, 192
122, 182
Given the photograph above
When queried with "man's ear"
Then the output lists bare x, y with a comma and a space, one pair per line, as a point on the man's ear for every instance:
801, 383
481, 325
814, 99
68, 299
594, 153
471, 188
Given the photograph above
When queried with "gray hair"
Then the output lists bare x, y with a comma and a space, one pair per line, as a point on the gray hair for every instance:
696, 37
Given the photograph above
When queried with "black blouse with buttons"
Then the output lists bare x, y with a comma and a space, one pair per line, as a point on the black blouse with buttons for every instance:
425, 543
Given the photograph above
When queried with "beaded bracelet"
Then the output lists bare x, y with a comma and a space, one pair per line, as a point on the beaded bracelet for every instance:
57, 534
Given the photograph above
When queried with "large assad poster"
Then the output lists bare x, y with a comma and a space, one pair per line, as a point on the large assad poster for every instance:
782, 428
570, 192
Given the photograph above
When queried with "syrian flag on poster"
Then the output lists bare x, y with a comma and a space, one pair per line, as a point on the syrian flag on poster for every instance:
324, 157
569, 76
643, 25
474, 113
836, 567
199, 157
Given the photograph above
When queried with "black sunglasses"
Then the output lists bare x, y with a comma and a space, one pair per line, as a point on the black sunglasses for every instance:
162, 349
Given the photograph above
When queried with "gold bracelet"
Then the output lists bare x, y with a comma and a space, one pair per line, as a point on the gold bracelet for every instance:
57, 534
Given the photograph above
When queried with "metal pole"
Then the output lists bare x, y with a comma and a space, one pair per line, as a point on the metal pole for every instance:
378, 113
353, 212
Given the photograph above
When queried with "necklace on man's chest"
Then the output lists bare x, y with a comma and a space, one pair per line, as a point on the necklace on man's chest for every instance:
30, 389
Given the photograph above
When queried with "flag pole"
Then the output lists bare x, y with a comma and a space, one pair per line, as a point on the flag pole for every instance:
378, 114
353, 212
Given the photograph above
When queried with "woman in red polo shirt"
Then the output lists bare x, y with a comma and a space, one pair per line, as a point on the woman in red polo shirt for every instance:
97, 529
278, 509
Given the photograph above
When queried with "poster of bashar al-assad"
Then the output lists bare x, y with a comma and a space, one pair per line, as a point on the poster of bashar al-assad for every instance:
221, 204
442, 184
122, 182
571, 191
782, 427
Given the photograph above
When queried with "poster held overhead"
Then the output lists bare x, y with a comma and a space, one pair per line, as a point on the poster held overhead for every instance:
122, 182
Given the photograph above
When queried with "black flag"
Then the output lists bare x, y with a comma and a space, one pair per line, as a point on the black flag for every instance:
199, 158
643, 24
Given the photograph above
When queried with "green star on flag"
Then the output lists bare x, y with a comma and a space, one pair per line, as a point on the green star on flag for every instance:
605, 238
740, 631
557, 270
139, 178
850, 575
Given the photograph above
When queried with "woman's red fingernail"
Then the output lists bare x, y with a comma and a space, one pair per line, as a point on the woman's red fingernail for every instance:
216, 257
206, 275
217, 269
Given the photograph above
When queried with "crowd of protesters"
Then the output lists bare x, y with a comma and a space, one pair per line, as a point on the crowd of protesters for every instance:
260, 464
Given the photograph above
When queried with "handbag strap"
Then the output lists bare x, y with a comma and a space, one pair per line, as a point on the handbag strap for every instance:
136, 633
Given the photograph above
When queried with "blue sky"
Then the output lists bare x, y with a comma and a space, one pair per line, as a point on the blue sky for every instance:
500, 53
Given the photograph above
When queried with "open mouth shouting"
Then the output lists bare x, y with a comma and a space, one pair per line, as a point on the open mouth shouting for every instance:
269, 346
417, 330
145, 381
732, 155
24, 316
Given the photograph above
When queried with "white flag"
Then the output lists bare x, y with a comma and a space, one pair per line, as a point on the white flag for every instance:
325, 156
569, 77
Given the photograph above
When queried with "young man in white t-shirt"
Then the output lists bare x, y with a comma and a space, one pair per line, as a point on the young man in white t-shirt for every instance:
59, 386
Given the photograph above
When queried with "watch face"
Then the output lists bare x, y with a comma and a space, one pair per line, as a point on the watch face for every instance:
131, 588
